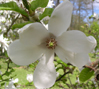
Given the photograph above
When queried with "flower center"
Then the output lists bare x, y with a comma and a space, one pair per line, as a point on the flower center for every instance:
51, 43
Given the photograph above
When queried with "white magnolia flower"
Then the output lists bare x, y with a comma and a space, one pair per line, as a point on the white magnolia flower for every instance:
96, 16
11, 85
50, 4
2, 19
95, 83
19, 3
57, 74
38, 43
3, 43
77, 80
30, 77
15, 80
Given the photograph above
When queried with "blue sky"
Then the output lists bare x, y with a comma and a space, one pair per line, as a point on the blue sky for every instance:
96, 7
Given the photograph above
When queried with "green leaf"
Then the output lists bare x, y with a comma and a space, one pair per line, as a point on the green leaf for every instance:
14, 7
12, 70
59, 68
0, 66
0, 77
20, 25
60, 61
85, 74
47, 12
38, 3
7, 73
2, 84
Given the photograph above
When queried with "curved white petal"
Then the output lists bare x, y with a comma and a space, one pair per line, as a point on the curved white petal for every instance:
60, 18
22, 55
75, 41
45, 73
33, 34
93, 42
61, 54
80, 59
77, 59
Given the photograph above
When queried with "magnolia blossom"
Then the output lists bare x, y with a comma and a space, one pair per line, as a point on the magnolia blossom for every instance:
30, 77
94, 82
15, 80
5, 0
50, 4
11, 85
35, 42
96, 16
57, 74
77, 80
5, 20
3, 43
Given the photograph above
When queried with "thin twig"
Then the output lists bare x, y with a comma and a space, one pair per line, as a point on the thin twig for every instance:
63, 75
70, 82
13, 23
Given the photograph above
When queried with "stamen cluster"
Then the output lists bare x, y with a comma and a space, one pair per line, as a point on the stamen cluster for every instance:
51, 43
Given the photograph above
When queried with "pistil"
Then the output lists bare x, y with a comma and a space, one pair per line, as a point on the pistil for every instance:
51, 43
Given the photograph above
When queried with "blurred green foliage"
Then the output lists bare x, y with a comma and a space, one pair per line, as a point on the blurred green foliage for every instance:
92, 30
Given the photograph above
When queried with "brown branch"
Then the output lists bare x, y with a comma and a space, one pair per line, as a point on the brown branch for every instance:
93, 66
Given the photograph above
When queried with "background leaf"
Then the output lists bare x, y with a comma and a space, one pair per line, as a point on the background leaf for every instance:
20, 25
85, 74
38, 3
12, 6
47, 12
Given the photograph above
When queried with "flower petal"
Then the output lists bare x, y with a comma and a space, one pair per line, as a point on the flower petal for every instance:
22, 55
92, 41
61, 18
80, 59
45, 73
33, 34
77, 59
75, 41
61, 54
